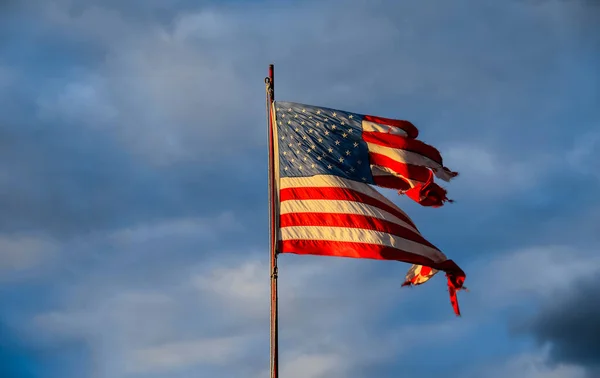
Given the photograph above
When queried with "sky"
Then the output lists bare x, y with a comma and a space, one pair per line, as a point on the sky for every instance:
133, 188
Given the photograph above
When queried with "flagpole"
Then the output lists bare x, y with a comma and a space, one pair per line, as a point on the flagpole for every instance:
274, 343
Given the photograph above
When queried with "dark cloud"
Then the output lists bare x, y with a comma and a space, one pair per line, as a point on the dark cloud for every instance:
570, 325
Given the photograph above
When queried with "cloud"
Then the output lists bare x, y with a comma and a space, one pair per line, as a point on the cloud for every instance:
220, 351
314, 366
19, 254
134, 137
569, 324
191, 72
582, 155
199, 228
527, 365
486, 174
220, 305
535, 273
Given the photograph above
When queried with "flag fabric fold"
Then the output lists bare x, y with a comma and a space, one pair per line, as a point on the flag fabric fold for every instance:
328, 162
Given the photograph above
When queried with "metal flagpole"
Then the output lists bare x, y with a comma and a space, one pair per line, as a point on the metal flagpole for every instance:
274, 360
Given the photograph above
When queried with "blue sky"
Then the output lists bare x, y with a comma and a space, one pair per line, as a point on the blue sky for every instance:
133, 199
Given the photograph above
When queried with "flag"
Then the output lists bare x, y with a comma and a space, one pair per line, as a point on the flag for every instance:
327, 162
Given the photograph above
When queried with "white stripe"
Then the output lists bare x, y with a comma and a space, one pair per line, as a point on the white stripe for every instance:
377, 127
409, 157
342, 234
341, 207
326, 181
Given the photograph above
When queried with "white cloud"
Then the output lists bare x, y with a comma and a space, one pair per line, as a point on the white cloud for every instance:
197, 227
85, 99
484, 173
527, 366
22, 253
314, 366
583, 155
245, 287
168, 356
532, 273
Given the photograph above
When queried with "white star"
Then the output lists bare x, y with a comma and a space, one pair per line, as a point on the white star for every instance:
352, 169
342, 123
303, 110
350, 116
310, 131
299, 143
297, 152
305, 158
337, 142
329, 166
291, 161
285, 169
359, 162
312, 165
332, 127
290, 109
344, 135
300, 167
326, 132
347, 153
295, 115
308, 150
282, 137
302, 122
283, 116
304, 137
350, 131
278, 109
318, 123
281, 122
364, 179
330, 150
297, 129
290, 145
319, 158
334, 114
355, 144
284, 153
313, 146
341, 160
320, 140
318, 112
289, 122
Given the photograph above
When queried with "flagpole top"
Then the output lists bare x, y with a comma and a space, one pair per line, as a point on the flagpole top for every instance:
269, 81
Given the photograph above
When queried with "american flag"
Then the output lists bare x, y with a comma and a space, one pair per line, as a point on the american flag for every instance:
328, 161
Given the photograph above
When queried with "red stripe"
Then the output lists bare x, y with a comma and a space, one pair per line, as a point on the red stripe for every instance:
408, 127
352, 221
365, 251
340, 194
401, 143
408, 171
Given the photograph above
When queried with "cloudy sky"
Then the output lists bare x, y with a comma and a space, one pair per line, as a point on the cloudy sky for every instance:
133, 187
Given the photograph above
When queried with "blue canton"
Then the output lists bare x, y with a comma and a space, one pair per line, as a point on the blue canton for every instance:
321, 141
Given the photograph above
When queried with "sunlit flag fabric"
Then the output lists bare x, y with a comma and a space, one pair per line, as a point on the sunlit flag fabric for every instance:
329, 161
